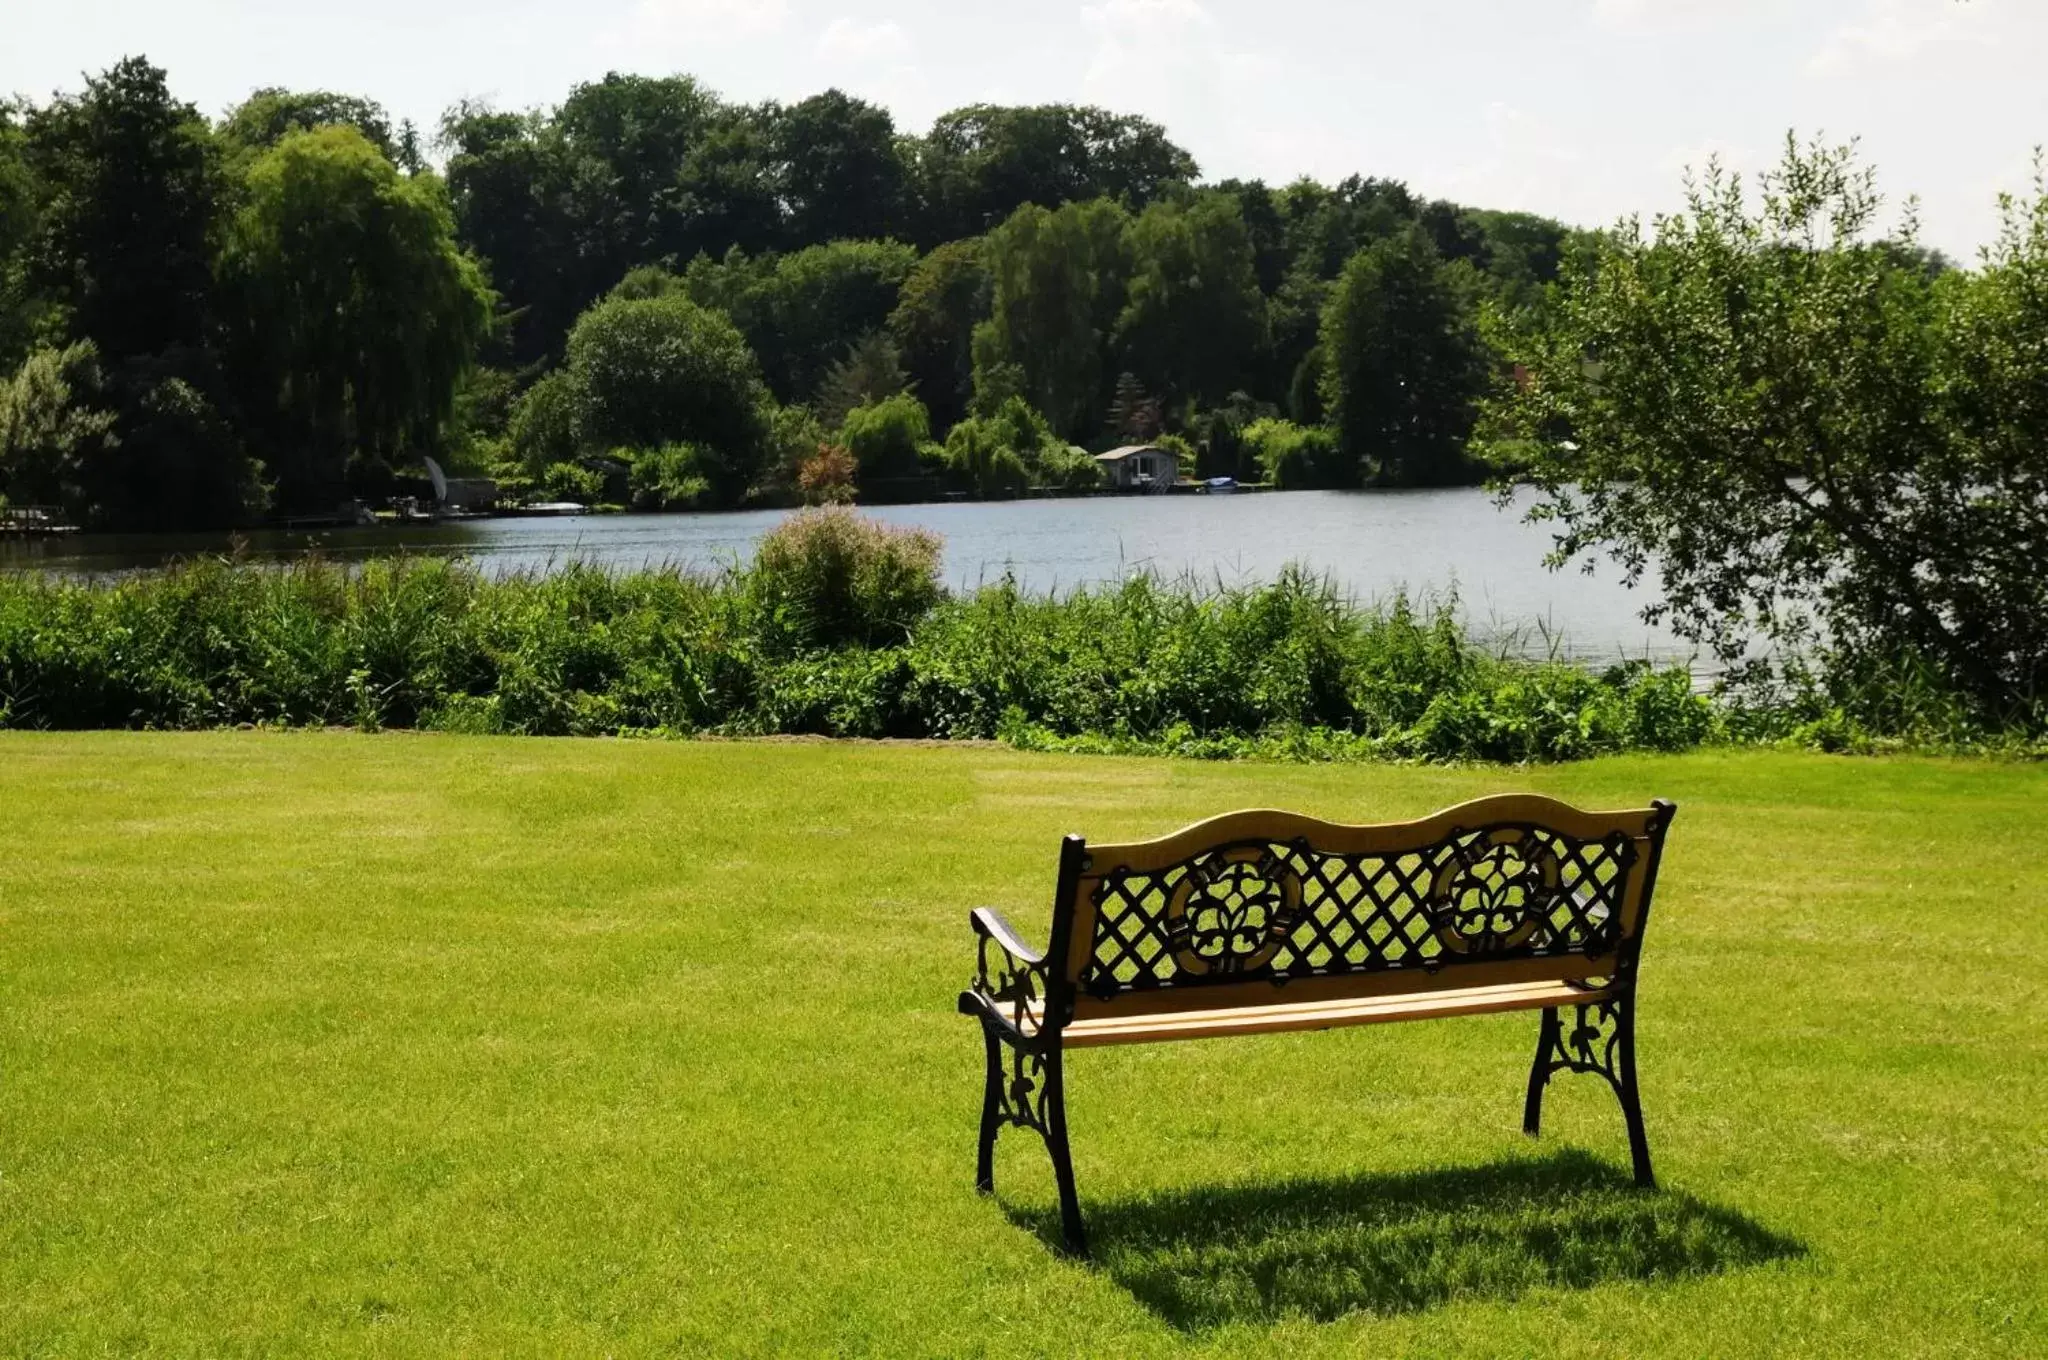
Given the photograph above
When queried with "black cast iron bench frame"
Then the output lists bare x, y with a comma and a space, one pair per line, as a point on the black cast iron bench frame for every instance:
1267, 922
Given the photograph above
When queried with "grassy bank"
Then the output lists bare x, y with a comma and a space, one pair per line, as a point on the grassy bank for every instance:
807, 642
325, 1043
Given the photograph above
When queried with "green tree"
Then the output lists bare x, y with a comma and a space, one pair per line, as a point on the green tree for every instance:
664, 370
268, 116
51, 432
509, 178
1808, 437
871, 371
131, 213
801, 312
980, 164
19, 303
1195, 321
1058, 286
356, 315
885, 438
940, 304
123, 257
841, 172
1404, 366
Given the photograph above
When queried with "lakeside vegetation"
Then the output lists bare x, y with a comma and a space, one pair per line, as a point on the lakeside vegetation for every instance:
839, 627
416, 1044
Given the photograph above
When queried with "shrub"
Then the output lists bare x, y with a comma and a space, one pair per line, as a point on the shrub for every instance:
667, 478
1297, 457
572, 482
542, 428
827, 477
830, 577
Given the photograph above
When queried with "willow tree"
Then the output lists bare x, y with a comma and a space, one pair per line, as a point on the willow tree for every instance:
354, 314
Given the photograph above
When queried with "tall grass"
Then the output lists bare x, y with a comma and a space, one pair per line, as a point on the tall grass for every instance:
832, 633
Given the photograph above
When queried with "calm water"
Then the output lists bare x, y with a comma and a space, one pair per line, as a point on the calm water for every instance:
1371, 542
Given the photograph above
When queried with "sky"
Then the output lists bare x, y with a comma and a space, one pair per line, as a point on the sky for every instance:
1586, 110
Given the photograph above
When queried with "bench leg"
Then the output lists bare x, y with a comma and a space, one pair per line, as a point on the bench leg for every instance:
1073, 1233
1599, 1040
1029, 1090
1539, 1073
991, 1113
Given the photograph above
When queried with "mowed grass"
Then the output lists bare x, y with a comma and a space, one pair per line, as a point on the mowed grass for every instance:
323, 1043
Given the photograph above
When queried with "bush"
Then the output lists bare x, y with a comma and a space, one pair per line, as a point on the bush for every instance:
572, 482
542, 428
667, 478
827, 477
826, 578
1298, 457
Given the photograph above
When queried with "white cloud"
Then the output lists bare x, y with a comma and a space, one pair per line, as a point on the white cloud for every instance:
1652, 14
671, 24
1172, 61
1528, 165
850, 42
1899, 30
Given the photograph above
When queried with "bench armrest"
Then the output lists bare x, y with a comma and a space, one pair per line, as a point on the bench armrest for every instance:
1010, 976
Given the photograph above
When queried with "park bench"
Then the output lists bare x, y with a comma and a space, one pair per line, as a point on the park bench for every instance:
1267, 922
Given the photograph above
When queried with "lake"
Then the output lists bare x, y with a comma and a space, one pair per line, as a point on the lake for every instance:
1372, 543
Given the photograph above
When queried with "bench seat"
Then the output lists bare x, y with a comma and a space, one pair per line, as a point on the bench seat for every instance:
1103, 1031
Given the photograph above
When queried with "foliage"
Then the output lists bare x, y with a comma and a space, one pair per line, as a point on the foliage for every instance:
800, 312
829, 476
268, 116
353, 305
1812, 439
52, 436
1290, 667
1404, 367
663, 370
826, 578
983, 163
1195, 318
542, 428
981, 460
884, 438
1058, 287
945, 297
572, 483
871, 371
668, 477
1297, 457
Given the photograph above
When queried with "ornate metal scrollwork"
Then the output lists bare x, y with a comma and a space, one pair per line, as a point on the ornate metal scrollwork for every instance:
1588, 1039
1022, 1088
1019, 986
1232, 912
1494, 893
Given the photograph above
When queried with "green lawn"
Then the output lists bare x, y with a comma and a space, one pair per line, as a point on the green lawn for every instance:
402, 1044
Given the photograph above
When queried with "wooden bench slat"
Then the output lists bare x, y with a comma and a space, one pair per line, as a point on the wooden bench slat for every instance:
1314, 1015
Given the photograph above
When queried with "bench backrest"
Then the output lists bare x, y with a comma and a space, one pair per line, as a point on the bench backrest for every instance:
1269, 907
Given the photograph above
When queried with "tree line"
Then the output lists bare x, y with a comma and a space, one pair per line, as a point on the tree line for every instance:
204, 321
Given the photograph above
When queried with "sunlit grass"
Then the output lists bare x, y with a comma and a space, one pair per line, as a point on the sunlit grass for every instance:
409, 1044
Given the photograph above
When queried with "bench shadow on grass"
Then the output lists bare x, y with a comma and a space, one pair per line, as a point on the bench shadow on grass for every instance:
1326, 1248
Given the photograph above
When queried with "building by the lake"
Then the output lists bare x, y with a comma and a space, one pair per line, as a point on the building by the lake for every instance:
1140, 467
